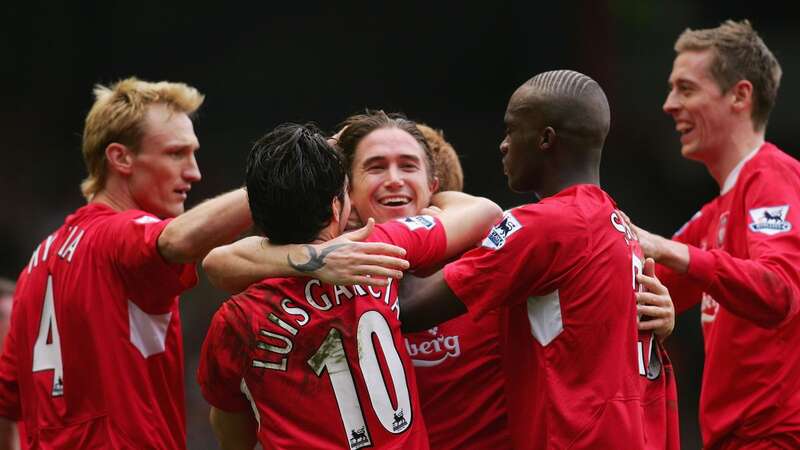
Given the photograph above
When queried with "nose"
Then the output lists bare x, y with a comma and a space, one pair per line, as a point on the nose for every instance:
191, 172
393, 177
670, 103
504, 145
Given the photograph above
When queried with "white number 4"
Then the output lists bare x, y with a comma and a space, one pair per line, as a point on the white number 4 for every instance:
47, 349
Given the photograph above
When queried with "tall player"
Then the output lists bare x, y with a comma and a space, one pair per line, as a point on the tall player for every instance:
391, 167
738, 256
320, 365
564, 271
94, 356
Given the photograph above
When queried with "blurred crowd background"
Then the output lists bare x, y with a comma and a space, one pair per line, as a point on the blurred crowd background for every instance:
452, 65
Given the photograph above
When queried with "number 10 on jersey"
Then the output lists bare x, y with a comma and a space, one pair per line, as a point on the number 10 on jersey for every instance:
331, 356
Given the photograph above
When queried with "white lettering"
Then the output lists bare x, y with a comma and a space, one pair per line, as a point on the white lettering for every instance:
359, 290
324, 297
67, 250
286, 304
278, 321
373, 292
47, 245
388, 291
34, 258
339, 290
63, 248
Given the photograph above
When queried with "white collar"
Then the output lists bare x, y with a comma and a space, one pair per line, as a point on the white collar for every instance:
730, 182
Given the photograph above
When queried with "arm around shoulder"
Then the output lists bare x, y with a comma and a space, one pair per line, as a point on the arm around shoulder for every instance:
190, 236
465, 218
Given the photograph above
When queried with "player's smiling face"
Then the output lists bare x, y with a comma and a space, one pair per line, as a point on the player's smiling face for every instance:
701, 111
164, 167
390, 176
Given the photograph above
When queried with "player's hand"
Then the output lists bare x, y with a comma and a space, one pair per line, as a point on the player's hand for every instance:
647, 240
346, 260
655, 308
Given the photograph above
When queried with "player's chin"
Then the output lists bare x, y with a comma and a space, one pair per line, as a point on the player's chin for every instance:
174, 210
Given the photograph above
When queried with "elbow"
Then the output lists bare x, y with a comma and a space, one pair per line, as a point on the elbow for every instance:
784, 310
786, 301
176, 248
490, 211
212, 266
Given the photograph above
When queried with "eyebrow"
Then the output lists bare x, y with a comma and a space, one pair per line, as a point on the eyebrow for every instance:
381, 158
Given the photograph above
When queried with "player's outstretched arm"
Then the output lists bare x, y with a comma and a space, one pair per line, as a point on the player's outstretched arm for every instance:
212, 223
344, 260
655, 304
234, 430
428, 302
465, 218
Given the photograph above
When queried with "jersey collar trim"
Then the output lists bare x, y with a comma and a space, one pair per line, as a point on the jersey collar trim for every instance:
730, 182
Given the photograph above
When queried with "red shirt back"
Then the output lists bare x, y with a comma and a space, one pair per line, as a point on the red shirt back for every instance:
322, 366
564, 272
458, 362
94, 353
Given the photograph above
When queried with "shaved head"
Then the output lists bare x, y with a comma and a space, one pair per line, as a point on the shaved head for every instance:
556, 126
571, 102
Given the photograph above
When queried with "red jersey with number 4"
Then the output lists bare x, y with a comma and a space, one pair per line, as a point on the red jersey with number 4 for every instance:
322, 366
744, 249
94, 356
564, 271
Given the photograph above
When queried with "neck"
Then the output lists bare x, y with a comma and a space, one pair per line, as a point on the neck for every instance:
328, 233
562, 179
735, 148
115, 196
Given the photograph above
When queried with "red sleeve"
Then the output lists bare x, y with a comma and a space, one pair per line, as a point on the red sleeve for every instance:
423, 237
685, 291
526, 254
222, 363
766, 287
132, 237
10, 407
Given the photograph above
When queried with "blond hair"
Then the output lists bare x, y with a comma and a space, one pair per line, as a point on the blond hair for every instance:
117, 116
445, 159
739, 54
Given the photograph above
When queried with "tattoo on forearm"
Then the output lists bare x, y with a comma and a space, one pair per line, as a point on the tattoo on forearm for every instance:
316, 261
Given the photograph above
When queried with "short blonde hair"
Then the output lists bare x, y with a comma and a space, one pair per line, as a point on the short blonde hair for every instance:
445, 159
117, 116
739, 54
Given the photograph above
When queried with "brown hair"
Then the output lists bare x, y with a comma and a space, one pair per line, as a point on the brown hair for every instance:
445, 158
739, 54
117, 116
357, 127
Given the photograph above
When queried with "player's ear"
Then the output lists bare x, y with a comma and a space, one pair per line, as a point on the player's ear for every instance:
548, 138
120, 158
336, 209
434, 185
742, 93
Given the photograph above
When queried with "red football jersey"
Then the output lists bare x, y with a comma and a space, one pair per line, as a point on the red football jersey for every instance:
744, 249
564, 272
322, 366
94, 349
458, 363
